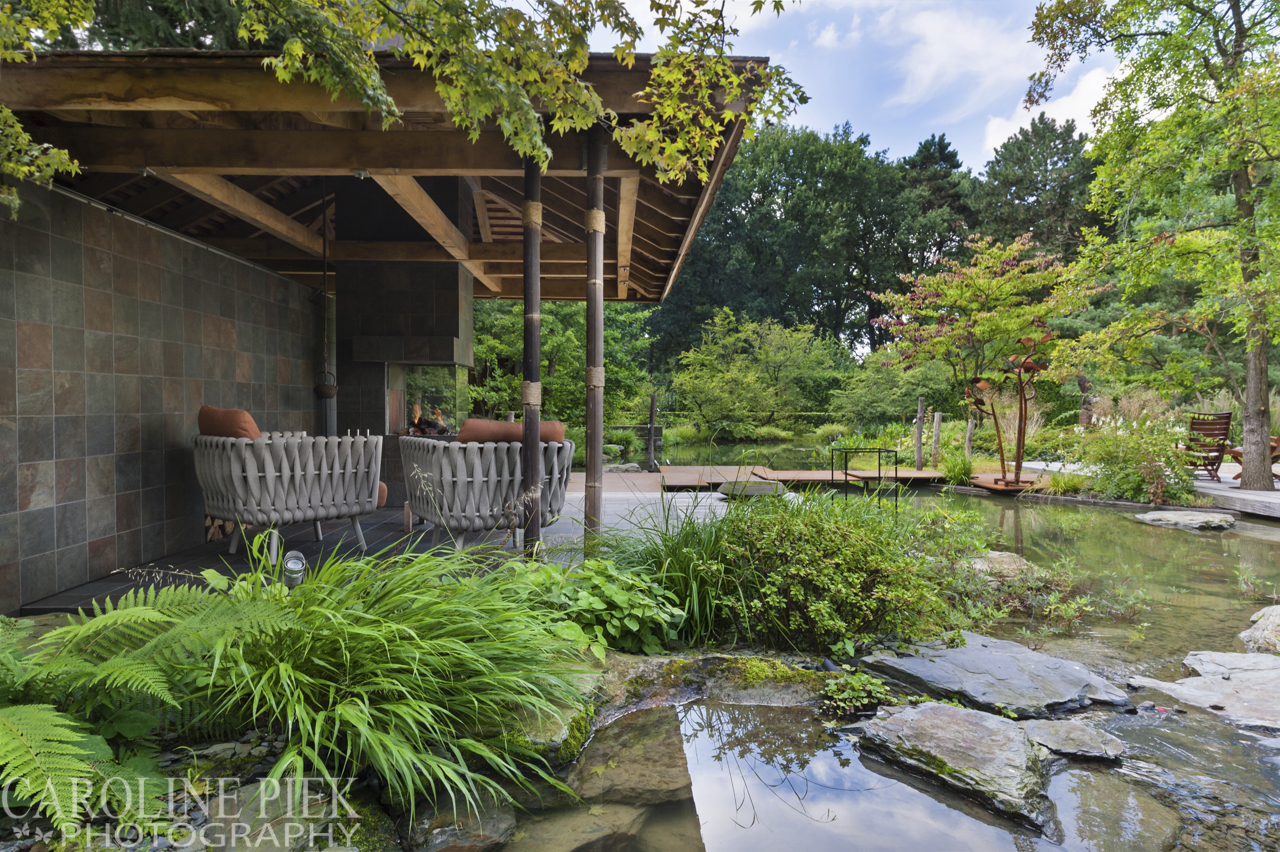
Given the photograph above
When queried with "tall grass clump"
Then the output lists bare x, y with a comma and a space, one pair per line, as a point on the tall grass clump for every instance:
828, 432
625, 438
1064, 484
957, 468
674, 435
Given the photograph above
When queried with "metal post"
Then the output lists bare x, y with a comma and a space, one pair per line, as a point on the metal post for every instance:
531, 389
595, 329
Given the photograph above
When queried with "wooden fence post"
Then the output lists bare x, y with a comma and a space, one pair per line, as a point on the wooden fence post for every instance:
937, 438
920, 434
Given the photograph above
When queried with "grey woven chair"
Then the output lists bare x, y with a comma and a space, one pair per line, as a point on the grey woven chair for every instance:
465, 488
288, 478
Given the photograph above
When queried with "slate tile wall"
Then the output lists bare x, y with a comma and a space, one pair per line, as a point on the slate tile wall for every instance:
112, 335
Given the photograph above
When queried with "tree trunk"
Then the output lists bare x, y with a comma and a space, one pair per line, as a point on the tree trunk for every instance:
1086, 401
1256, 474
1256, 464
920, 433
968, 438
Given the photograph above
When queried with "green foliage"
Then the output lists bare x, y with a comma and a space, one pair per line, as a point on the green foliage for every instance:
957, 468
806, 574
746, 374
772, 433
879, 392
803, 229
499, 369
23, 27
852, 692
828, 432
1037, 182
1139, 460
676, 435
615, 608
625, 438
1187, 134
1062, 484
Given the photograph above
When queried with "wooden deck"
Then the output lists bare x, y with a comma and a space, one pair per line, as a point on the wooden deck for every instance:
902, 474
992, 482
1227, 495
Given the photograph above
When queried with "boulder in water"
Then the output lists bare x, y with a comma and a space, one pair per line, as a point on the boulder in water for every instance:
1264, 636
996, 675
1107, 814
584, 829
1189, 520
975, 753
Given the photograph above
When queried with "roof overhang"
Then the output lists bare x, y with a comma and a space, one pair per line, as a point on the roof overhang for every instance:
211, 145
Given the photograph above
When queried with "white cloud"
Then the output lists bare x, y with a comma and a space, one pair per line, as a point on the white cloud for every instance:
1075, 105
828, 37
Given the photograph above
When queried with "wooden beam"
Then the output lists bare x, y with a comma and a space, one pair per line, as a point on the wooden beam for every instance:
410, 195
481, 206
57, 83
628, 189
231, 198
198, 210
310, 152
271, 249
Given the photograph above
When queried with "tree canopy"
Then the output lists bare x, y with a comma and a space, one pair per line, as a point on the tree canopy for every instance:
1188, 150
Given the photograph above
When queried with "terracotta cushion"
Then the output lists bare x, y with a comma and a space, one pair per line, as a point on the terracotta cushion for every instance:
500, 431
382, 494
227, 423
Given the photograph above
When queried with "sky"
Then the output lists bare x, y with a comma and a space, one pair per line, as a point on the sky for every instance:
900, 70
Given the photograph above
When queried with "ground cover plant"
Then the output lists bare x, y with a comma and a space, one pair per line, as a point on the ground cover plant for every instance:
417, 668
1139, 460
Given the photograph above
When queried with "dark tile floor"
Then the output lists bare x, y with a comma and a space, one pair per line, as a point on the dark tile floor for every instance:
383, 532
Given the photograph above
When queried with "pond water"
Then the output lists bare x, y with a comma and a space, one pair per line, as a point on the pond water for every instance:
708, 776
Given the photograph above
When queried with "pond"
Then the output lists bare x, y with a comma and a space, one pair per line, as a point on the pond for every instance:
709, 776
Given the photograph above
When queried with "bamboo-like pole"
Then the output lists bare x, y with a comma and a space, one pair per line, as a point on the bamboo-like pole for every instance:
594, 510
531, 388
937, 438
920, 433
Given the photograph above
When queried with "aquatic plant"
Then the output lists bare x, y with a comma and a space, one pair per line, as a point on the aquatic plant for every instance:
957, 468
1063, 483
854, 691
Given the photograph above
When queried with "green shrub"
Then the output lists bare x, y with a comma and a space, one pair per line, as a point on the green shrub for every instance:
828, 432
772, 433
673, 435
625, 438
811, 574
1139, 461
852, 692
957, 468
1061, 483
615, 608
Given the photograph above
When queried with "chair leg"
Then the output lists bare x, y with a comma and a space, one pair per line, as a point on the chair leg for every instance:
435, 535
355, 523
458, 541
273, 545
319, 533
236, 533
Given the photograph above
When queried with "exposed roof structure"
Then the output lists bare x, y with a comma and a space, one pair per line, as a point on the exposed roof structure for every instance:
210, 145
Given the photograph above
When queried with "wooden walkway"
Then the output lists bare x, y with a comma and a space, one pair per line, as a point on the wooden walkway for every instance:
710, 477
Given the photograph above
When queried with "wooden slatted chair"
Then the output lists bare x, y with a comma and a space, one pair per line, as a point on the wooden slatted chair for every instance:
1207, 441
1237, 453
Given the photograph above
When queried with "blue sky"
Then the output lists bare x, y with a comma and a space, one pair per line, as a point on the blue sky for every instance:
900, 70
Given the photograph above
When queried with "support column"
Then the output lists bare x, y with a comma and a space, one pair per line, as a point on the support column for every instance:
594, 512
531, 388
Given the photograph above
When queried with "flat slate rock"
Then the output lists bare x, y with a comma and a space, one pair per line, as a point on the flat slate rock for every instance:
1243, 689
1101, 812
1189, 520
995, 675
988, 757
741, 489
1074, 739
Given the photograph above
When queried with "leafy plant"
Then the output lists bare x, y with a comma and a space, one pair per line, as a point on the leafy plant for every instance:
852, 692
772, 433
1063, 483
615, 608
1140, 461
625, 438
675, 435
828, 432
957, 468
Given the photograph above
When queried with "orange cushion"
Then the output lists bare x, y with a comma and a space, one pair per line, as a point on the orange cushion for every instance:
227, 423
500, 431
382, 494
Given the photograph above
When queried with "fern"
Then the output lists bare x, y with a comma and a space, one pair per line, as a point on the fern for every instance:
43, 754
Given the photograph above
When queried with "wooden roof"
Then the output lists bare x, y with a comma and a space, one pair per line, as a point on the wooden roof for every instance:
209, 144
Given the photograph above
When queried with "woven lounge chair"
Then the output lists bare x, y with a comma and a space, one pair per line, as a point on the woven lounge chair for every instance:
286, 478
1207, 441
462, 488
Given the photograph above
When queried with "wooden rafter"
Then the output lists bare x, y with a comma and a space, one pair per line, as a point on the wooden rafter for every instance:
410, 195
627, 190
243, 205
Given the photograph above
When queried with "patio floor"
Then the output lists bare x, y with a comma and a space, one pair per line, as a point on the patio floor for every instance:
383, 531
